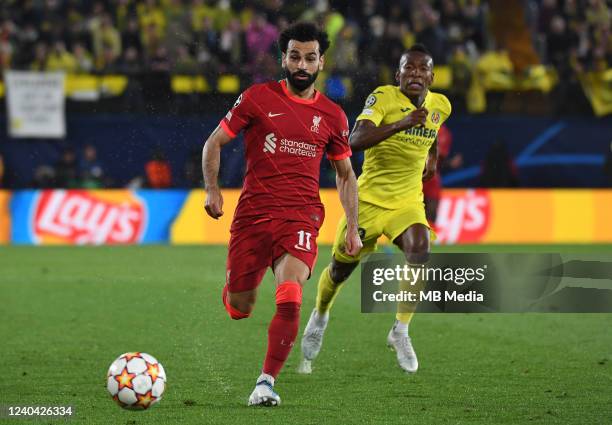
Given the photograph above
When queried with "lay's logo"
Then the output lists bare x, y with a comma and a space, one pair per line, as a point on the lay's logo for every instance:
463, 217
82, 217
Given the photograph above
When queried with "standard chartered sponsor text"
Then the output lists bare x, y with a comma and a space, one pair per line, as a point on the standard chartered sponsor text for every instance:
298, 148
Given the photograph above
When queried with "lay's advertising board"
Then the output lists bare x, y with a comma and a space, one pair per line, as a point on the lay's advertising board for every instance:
108, 217
501, 216
96, 217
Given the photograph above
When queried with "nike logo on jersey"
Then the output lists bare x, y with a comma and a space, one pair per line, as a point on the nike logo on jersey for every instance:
270, 114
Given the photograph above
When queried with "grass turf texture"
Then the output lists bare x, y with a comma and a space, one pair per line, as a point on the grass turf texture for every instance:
67, 313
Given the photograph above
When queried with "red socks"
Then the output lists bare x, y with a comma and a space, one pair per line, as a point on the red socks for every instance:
284, 326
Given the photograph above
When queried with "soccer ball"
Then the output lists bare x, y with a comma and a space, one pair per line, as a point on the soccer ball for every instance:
136, 381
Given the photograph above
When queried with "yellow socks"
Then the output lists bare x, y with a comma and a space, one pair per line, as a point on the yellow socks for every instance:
327, 290
405, 310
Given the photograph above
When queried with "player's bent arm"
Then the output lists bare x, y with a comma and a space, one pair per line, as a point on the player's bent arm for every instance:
347, 190
367, 134
211, 159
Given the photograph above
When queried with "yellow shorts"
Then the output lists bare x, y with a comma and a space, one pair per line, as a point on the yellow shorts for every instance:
375, 221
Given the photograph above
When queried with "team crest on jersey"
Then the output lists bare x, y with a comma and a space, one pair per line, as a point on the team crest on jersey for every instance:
435, 117
371, 100
237, 102
316, 120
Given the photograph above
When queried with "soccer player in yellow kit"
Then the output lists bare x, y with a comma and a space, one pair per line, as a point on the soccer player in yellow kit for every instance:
397, 129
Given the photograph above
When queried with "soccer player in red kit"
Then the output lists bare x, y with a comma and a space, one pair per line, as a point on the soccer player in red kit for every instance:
288, 127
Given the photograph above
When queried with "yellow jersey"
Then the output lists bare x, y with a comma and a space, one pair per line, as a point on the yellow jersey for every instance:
393, 169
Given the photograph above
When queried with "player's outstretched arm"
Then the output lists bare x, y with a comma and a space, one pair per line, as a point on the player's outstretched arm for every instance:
211, 159
367, 134
347, 189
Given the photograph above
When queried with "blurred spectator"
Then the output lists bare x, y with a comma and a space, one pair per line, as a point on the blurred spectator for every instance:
91, 171
184, 62
108, 63
151, 17
199, 11
60, 59
193, 169
7, 36
158, 172
44, 178
224, 14
151, 40
461, 71
130, 63
177, 36
498, 168
207, 37
231, 43
431, 34
260, 36
132, 66
160, 61
66, 171
130, 36
40, 58
559, 43
83, 59
345, 53
106, 42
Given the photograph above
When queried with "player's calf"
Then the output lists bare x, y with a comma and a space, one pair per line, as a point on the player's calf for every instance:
284, 326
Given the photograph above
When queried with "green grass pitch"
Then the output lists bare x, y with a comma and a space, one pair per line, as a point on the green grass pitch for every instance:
67, 313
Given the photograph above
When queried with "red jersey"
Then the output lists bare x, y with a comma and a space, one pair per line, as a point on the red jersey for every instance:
433, 187
285, 138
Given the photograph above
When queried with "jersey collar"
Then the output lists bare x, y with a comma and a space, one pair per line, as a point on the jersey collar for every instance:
299, 99
408, 99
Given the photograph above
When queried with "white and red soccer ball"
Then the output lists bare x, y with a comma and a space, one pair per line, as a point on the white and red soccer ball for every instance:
136, 381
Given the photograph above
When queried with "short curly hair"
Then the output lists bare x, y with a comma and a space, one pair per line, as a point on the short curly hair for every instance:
304, 31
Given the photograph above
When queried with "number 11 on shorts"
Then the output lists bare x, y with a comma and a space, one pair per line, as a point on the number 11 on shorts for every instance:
303, 240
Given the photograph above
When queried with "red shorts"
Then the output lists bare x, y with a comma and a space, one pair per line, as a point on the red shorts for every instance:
254, 247
432, 189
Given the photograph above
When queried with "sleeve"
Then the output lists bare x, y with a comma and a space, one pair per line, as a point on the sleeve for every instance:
446, 109
374, 109
240, 115
338, 147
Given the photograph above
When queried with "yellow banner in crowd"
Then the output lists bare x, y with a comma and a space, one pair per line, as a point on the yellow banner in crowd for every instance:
464, 216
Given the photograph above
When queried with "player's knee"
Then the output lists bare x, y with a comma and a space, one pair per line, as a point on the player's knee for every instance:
337, 275
239, 311
339, 272
417, 251
238, 307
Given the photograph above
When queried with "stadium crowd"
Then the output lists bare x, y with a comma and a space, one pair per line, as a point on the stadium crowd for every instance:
215, 36
155, 39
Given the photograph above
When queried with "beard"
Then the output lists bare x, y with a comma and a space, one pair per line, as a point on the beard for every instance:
298, 84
